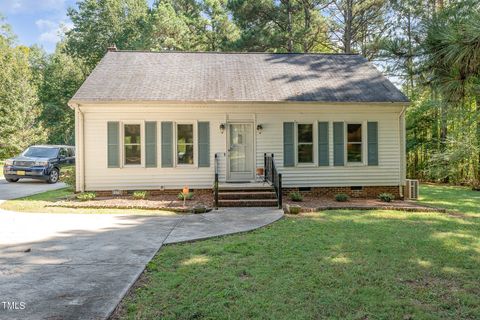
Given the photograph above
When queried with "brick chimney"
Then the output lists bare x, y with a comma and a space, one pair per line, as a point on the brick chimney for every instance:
112, 48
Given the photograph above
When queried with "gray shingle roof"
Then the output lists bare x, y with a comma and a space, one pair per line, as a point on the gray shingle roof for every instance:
235, 77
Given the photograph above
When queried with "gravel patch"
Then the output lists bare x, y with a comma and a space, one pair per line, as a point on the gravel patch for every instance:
311, 204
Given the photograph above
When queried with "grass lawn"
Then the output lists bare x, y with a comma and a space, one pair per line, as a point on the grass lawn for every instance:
461, 199
40, 202
333, 264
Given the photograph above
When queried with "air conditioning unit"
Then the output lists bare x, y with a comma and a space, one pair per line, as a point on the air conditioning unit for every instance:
412, 189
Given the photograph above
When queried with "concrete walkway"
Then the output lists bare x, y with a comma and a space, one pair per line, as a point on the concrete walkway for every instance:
79, 266
25, 187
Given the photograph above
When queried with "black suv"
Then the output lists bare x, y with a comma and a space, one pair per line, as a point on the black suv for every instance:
39, 162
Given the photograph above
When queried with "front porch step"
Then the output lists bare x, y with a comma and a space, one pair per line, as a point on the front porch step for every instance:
248, 203
235, 195
246, 195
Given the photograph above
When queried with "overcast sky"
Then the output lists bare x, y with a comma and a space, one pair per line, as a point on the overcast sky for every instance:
38, 21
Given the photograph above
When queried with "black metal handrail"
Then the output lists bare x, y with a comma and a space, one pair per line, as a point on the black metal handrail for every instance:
272, 176
215, 182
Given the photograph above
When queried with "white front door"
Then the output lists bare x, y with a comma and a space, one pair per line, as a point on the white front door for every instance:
240, 157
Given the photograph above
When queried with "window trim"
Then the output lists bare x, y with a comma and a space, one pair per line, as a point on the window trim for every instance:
314, 145
142, 143
195, 144
362, 143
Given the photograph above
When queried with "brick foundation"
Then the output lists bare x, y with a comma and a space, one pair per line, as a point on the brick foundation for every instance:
155, 192
364, 192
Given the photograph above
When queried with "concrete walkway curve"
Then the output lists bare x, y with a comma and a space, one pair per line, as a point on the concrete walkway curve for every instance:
25, 187
79, 266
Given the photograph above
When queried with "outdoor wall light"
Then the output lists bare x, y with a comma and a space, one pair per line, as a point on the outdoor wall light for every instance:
222, 128
259, 128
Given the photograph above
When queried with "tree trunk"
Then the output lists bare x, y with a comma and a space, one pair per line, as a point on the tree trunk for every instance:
410, 52
289, 27
347, 35
477, 109
443, 126
440, 4
443, 133
306, 25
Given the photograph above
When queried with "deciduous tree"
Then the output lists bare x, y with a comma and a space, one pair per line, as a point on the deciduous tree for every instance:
281, 26
98, 24
19, 107
356, 26
63, 75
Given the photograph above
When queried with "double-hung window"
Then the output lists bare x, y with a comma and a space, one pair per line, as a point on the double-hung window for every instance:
185, 144
132, 144
354, 142
305, 143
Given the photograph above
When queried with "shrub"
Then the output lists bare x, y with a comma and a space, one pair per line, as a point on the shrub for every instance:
67, 175
386, 197
341, 197
86, 196
200, 209
294, 209
188, 196
296, 196
475, 185
140, 195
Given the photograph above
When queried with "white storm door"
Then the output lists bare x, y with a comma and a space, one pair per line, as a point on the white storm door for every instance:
240, 157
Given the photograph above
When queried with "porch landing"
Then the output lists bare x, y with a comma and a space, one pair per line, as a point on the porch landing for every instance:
244, 186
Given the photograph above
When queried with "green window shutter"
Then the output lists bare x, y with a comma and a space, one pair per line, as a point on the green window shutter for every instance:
204, 144
323, 156
372, 136
338, 144
113, 137
167, 144
288, 144
151, 144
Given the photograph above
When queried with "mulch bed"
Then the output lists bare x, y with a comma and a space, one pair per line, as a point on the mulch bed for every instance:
160, 202
171, 203
312, 204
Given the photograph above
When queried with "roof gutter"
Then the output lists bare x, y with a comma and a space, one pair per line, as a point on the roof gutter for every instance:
73, 102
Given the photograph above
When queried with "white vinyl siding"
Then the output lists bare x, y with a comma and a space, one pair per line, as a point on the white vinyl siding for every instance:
390, 170
386, 173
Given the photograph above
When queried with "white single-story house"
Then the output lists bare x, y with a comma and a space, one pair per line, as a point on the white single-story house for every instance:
163, 120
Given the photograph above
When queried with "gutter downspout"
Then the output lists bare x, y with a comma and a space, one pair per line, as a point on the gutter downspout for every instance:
79, 145
82, 146
401, 140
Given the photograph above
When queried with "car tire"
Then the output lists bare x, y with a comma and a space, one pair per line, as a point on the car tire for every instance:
53, 176
11, 180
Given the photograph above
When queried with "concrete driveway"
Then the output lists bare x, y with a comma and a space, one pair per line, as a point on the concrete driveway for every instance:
79, 266
25, 187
